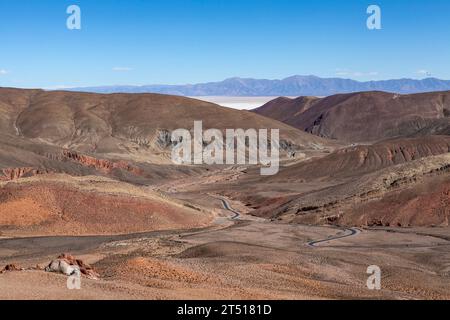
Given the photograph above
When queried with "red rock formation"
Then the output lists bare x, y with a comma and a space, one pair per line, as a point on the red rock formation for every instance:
105, 166
85, 268
17, 173
102, 165
366, 158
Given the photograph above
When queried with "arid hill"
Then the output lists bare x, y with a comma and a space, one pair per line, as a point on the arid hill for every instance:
287, 110
90, 205
366, 116
125, 136
357, 160
89, 175
134, 125
389, 183
91, 137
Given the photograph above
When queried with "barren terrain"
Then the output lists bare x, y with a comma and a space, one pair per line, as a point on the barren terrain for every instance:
90, 175
364, 116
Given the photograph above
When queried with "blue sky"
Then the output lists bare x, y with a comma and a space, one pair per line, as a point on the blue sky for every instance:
189, 41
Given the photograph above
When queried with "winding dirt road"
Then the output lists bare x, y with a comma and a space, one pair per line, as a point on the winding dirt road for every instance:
347, 233
344, 233
228, 207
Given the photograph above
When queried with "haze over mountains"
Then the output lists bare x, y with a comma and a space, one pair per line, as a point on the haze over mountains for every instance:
291, 86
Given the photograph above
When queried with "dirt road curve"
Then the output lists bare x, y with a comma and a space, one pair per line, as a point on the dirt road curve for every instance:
227, 206
345, 233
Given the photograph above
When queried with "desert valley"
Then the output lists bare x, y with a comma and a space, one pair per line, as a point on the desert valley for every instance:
364, 180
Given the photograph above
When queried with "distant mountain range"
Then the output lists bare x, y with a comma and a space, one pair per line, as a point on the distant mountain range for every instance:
292, 86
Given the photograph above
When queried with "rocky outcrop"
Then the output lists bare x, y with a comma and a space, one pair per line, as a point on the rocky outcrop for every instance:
105, 166
292, 150
17, 173
363, 159
11, 268
164, 139
69, 265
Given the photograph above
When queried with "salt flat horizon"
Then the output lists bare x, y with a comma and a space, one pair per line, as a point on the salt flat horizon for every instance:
240, 103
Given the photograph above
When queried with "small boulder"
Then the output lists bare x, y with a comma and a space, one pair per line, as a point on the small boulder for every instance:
11, 268
69, 265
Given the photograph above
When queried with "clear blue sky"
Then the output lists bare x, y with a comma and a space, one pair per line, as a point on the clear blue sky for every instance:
188, 41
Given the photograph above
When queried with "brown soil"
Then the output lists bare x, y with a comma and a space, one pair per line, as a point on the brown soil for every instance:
59, 208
